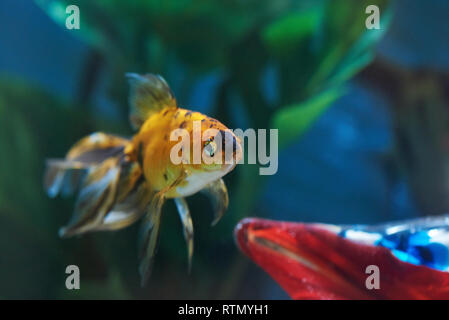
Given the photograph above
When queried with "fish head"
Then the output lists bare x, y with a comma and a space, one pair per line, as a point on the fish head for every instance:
218, 151
221, 149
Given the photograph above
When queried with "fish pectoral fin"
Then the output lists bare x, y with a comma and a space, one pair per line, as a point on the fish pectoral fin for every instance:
149, 230
149, 93
218, 194
96, 198
186, 219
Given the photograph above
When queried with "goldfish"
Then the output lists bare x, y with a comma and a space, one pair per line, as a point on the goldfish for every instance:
122, 180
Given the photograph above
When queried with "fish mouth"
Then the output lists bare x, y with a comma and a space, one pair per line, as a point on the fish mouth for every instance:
311, 261
237, 153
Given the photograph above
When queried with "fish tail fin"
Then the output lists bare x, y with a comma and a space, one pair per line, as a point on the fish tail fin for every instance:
62, 176
112, 191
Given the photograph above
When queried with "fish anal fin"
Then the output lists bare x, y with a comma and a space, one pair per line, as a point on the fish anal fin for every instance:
149, 236
149, 230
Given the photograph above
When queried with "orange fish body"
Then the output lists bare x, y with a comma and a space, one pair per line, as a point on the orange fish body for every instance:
152, 145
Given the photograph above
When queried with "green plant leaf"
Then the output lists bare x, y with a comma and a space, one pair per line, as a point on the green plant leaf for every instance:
292, 121
284, 34
347, 46
361, 53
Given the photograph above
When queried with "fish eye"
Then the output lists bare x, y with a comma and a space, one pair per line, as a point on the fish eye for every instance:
210, 147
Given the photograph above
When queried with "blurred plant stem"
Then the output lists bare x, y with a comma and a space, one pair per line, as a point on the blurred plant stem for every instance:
88, 81
421, 126
89, 78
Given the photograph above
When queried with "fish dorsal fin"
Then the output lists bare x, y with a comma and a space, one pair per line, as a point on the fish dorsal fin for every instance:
150, 93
